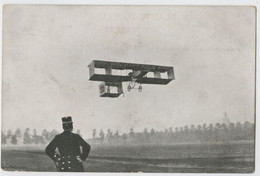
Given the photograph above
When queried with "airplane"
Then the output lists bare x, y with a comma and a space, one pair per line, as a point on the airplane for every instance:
135, 74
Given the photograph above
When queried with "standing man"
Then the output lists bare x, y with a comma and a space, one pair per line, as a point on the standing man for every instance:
69, 157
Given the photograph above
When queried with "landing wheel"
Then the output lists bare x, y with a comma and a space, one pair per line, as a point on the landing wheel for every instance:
140, 88
128, 88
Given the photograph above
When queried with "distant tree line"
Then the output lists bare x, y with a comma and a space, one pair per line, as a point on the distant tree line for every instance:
28, 136
220, 132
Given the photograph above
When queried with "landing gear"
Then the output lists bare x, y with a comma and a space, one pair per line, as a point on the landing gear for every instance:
140, 88
129, 88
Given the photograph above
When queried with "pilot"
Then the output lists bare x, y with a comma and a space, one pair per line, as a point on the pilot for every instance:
69, 157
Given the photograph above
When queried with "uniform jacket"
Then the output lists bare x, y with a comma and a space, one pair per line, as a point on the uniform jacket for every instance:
68, 145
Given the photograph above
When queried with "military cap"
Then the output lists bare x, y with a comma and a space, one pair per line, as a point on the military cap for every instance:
66, 119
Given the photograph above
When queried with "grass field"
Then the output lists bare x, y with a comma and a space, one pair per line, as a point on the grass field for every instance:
188, 158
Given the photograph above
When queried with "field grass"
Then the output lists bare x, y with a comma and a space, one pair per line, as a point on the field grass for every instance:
184, 158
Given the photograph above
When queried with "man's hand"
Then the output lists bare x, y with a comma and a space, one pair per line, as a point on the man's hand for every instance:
56, 164
79, 159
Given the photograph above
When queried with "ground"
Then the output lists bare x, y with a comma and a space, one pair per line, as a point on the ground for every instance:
188, 158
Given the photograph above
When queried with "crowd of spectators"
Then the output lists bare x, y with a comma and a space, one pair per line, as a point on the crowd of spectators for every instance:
219, 132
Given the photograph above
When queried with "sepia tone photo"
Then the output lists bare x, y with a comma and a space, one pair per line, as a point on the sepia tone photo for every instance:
153, 89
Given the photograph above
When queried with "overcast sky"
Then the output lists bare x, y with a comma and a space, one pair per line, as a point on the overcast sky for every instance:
46, 51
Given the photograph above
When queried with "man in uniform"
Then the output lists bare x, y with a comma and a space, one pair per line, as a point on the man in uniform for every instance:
69, 156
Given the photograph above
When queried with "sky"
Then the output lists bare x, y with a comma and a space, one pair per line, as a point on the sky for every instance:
47, 49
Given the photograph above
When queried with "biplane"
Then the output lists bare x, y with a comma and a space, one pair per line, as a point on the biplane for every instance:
113, 74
